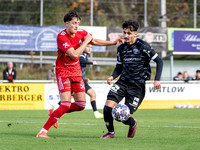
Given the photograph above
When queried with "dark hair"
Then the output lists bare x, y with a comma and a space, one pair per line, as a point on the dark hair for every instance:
197, 71
130, 24
70, 15
179, 73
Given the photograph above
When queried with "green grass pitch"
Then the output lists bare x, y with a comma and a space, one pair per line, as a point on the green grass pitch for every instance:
170, 129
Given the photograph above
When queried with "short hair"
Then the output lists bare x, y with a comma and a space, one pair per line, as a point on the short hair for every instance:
70, 15
198, 71
10, 62
130, 24
179, 73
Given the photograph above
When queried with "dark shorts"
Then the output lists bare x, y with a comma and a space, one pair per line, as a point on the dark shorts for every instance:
87, 87
133, 94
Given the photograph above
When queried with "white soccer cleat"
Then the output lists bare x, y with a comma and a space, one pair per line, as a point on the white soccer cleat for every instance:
98, 115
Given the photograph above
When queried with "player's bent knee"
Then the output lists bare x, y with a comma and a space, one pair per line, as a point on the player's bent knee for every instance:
81, 105
110, 103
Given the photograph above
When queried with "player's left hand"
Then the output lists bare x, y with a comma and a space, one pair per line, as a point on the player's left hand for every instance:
94, 63
157, 84
119, 39
87, 80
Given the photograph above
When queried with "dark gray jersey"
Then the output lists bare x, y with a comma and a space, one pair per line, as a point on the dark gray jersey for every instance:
135, 61
83, 62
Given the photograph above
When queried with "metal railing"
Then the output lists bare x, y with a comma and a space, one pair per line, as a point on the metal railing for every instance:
22, 59
35, 59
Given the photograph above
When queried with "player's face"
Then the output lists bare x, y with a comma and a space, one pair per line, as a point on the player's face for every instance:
129, 36
72, 26
88, 49
198, 74
10, 65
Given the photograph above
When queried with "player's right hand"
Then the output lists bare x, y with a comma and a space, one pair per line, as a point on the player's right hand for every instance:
119, 40
109, 80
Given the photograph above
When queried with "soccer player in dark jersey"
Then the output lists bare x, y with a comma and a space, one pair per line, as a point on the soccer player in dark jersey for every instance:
133, 58
71, 43
84, 62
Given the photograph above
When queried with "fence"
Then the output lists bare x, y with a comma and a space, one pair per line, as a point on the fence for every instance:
23, 59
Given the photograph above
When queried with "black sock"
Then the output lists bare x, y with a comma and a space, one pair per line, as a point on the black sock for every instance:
130, 122
94, 107
108, 118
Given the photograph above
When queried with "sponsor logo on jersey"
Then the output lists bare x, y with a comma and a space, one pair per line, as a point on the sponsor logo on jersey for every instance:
65, 44
82, 86
63, 33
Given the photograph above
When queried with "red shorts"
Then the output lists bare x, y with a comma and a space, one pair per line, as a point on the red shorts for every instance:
73, 84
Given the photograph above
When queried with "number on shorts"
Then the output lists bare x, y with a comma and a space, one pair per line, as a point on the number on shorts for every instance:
135, 102
114, 88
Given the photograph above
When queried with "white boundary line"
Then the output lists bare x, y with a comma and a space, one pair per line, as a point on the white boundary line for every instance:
90, 124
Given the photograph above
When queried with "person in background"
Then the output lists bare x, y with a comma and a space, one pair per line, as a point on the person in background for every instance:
197, 76
9, 73
51, 73
84, 62
186, 77
179, 77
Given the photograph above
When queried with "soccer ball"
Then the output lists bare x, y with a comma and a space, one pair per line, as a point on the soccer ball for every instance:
120, 112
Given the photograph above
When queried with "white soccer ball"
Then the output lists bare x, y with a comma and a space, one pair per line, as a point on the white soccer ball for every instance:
121, 112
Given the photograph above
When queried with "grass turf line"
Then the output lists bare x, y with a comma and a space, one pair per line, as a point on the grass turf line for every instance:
157, 129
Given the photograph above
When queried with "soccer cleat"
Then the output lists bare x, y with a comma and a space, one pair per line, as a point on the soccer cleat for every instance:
43, 134
98, 115
50, 111
108, 135
132, 130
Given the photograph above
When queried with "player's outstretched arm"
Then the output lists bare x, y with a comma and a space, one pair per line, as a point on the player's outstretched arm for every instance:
75, 53
99, 42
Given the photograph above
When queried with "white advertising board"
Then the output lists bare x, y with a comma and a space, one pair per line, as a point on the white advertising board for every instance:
166, 97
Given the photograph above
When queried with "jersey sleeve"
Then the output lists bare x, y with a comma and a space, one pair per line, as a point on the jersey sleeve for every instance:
119, 66
119, 55
63, 43
85, 33
150, 51
153, 54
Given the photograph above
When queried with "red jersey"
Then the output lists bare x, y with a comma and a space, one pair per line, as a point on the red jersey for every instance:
65, 66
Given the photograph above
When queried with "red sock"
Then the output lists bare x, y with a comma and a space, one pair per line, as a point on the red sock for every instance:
57, 114
77, 106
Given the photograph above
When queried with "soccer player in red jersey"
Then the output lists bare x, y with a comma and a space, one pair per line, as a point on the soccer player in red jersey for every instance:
71, 43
